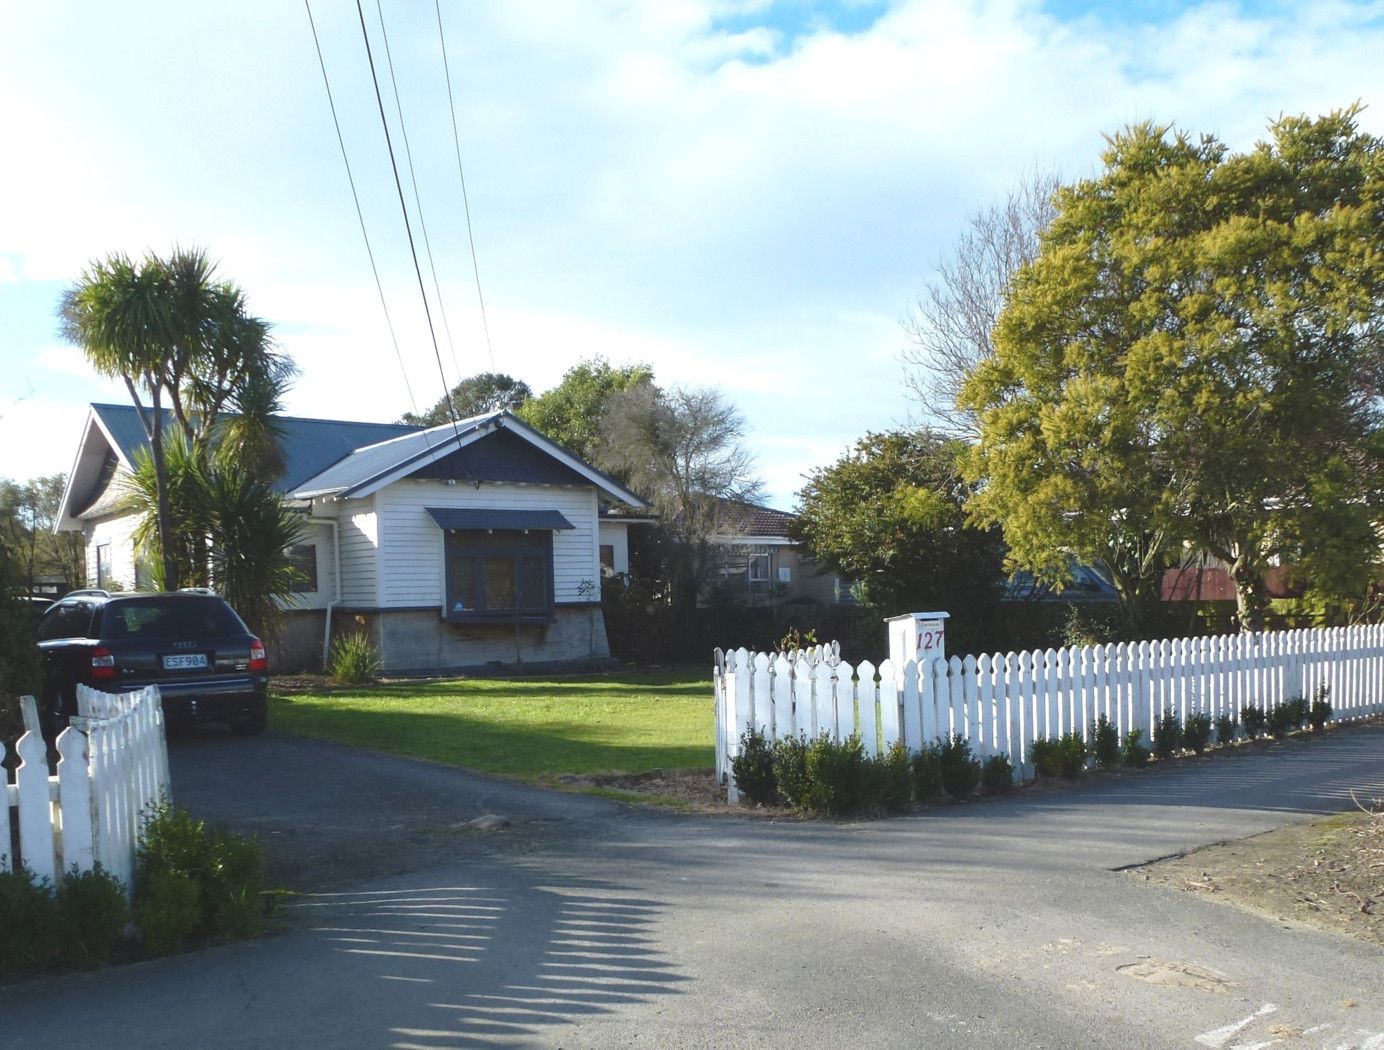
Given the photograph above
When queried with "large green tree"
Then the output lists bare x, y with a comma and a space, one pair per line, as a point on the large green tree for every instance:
183, 342
570, 413
890, 515
1194, 359
28, 514
473, 396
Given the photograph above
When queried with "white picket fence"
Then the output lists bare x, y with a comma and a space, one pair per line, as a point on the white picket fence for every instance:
1001, 703
112, 772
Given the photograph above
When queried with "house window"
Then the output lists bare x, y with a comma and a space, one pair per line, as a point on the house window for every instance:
103, 565
499, 575
607, 559
759, 570
302, 558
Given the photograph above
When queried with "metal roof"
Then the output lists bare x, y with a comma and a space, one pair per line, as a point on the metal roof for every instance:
309, 446
368, 462
493, 518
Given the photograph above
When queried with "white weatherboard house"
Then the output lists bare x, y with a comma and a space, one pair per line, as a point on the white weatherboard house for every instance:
453, 547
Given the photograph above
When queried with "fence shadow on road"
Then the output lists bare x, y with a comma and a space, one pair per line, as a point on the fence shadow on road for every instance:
469, 966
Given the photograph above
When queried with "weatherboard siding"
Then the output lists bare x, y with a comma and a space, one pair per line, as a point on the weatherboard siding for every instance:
412, 568
119, 532
360, 553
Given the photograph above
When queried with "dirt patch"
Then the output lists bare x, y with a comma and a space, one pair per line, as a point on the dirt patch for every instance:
1177, 975
1328, 874
692, 790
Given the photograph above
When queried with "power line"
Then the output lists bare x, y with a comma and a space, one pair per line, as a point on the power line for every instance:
465, 201
408, 228
360, 216
417, 197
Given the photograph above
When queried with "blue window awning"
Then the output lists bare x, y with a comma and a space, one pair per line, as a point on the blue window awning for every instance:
467, 518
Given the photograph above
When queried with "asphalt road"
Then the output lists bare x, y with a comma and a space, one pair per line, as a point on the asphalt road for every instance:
587, 924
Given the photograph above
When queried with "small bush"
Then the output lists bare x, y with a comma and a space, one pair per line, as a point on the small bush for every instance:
1105, 743
1047, 757
796, 640
1134, 754
1320, 714
1167, 736
753, 769
926, 767
836, 772
997, 775
30, 930
1225, 729
94, 914
889, 780
197, 884
168, 911
959, 771
1254, 720
1071, 752
1287, 716
355, 660
1196, 733
790, 769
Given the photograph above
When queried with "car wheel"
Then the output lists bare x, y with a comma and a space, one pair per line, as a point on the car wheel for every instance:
254, 722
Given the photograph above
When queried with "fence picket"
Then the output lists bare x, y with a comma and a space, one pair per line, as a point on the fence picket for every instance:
866, 707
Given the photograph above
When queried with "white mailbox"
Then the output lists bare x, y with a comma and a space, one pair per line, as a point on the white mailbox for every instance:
917, 636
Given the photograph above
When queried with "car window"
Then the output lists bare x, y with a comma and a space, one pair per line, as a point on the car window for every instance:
66, 620
155, 617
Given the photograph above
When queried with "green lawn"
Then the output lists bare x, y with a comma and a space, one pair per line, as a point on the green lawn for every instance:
522, 727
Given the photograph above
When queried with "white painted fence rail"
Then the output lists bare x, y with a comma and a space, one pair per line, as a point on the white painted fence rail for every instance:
1002, 702
112, 771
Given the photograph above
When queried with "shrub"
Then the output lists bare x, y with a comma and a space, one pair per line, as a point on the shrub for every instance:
30, 931
1225, 729
355, 660
835, 775
1196, 733
753, 768
1105, 743
1047, 757
1134, 754
960, 772
1287, 716
796, 640
926, 767
94, 913
889, 780
168, 910
197, 883
1320, 713
790, 769
1254, 720
1071, 755
997, 775
1167, 735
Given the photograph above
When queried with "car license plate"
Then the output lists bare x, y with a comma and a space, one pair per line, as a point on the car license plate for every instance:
184, 661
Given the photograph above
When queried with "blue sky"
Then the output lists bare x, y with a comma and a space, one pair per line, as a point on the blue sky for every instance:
743, 194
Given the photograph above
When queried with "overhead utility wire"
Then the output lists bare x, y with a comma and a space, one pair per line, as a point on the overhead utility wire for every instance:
360, 216
417, 197
408, 229
466, 203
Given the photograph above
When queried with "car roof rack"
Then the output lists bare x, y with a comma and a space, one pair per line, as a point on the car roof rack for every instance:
198, 590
